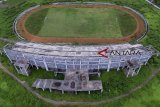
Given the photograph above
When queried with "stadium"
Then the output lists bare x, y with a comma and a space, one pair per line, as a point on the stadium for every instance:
80, 59
69, 49
137, 28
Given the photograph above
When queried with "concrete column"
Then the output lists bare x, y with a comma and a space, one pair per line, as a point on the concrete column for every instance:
55, 73
119, 65
25, 71
7, 56
133, 73
88, 65
109, 65
101, 90
147, 61
16, 69
38, 84
99, 74
89, 92
66, 64
50, 90
80, 65
76, 92
138, 69
55, 64
98, 64
45, 64
35, 63
62, 91
128, 74
44, 85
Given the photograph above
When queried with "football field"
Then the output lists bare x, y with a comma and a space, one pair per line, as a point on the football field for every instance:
81, 22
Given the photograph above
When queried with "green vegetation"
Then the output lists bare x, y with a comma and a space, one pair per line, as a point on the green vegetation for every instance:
7, 17
81, 22
146, 97
13, 95
127, 24
14, 2
114, 83
157, 2
35, 21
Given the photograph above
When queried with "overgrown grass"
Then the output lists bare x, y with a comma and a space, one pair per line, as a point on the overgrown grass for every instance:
114, 83
125, 26
36, 21
81, 22
7, 17
146, 97
14, 2
14, 95
157, 2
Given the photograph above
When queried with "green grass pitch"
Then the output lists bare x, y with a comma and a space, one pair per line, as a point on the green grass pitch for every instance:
81, 22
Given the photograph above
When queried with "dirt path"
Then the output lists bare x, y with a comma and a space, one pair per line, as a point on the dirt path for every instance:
35, 38
54, 102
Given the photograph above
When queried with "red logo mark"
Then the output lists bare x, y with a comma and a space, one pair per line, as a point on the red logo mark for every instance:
103, 53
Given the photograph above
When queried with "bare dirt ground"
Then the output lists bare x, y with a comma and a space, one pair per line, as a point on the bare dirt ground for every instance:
35, 38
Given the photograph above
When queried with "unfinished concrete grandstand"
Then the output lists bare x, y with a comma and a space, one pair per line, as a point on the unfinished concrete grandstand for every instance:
77, 62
